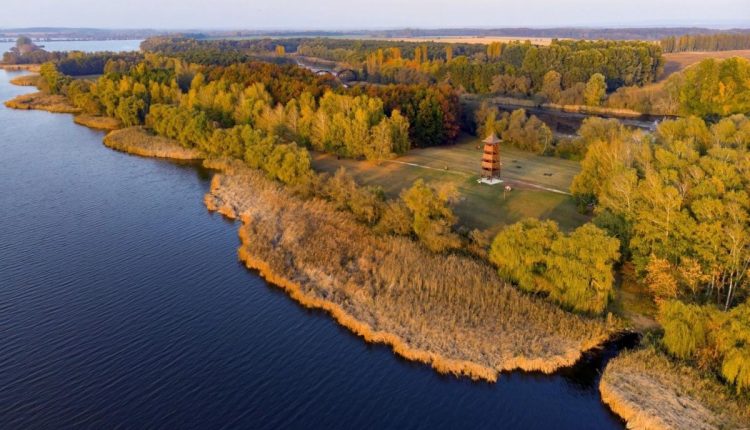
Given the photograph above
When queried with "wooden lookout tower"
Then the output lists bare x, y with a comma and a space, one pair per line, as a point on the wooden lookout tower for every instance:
490, 173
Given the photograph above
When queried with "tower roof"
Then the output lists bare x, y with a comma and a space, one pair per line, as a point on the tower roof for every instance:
492, 139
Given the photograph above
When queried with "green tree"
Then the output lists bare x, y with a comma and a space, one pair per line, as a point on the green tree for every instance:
432, 217
596, 90
579, 269
685, 330
552, 86
520, 252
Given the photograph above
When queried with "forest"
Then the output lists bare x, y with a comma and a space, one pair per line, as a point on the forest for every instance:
677, 201
706, 42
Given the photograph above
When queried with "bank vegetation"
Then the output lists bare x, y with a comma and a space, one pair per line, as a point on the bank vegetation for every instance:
450, 311
651, 391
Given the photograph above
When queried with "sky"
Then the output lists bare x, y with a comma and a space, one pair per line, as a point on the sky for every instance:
370, 14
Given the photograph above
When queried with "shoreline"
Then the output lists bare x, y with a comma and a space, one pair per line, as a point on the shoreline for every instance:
651, 391
368, 314
17, 67
41, 101
137, 141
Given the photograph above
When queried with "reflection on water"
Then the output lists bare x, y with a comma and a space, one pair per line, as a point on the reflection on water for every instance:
568, 123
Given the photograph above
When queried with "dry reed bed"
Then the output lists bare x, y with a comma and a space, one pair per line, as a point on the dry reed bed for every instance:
40, 101
650, 392
97, 122
29, 67
25, 80
138, 141
449, 311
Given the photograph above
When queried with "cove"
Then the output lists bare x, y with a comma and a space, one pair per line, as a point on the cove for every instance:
122, 304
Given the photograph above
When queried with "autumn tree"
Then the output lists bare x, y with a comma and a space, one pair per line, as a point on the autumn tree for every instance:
596, 90
551, 86
431, 215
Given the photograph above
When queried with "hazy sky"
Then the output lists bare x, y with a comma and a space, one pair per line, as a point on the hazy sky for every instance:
350, 14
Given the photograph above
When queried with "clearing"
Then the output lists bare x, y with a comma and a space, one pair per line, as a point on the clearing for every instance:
539, 184
678, 61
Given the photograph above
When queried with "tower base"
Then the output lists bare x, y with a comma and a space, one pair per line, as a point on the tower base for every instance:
490, 181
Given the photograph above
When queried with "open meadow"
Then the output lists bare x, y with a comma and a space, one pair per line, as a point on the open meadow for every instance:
539, 184
675, 62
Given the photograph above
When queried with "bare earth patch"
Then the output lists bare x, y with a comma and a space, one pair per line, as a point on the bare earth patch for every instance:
450, 311
650, 392
138, 141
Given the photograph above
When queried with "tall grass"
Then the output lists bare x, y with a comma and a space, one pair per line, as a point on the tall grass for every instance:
41, 101
450, 311
138, 141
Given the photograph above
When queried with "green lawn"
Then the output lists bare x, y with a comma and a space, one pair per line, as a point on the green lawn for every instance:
481, 206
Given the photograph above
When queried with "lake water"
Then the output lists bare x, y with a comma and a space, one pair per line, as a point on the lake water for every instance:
123, 305
82, 45
568, 123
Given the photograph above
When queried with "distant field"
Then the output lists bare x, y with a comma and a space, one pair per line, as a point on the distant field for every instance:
481, 206
542, 41
679, 61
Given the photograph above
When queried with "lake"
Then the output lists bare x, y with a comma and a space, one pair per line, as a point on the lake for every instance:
122, 304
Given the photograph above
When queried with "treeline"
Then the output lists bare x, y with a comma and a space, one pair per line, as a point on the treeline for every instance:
706, 42
474, 67
355, 52
432, 113
218, 52
566, 72
433, 110
76, 63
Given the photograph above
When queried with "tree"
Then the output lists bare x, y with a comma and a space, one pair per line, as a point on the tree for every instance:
660, 280
596, 90
733, 341
130, 111
552, 86
574, 270
684, 326
448, 53
520, 252
432, 217
579, 269
22, 41
53, 81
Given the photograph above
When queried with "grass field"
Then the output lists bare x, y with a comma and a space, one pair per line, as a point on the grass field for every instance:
680, 60
539, 184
